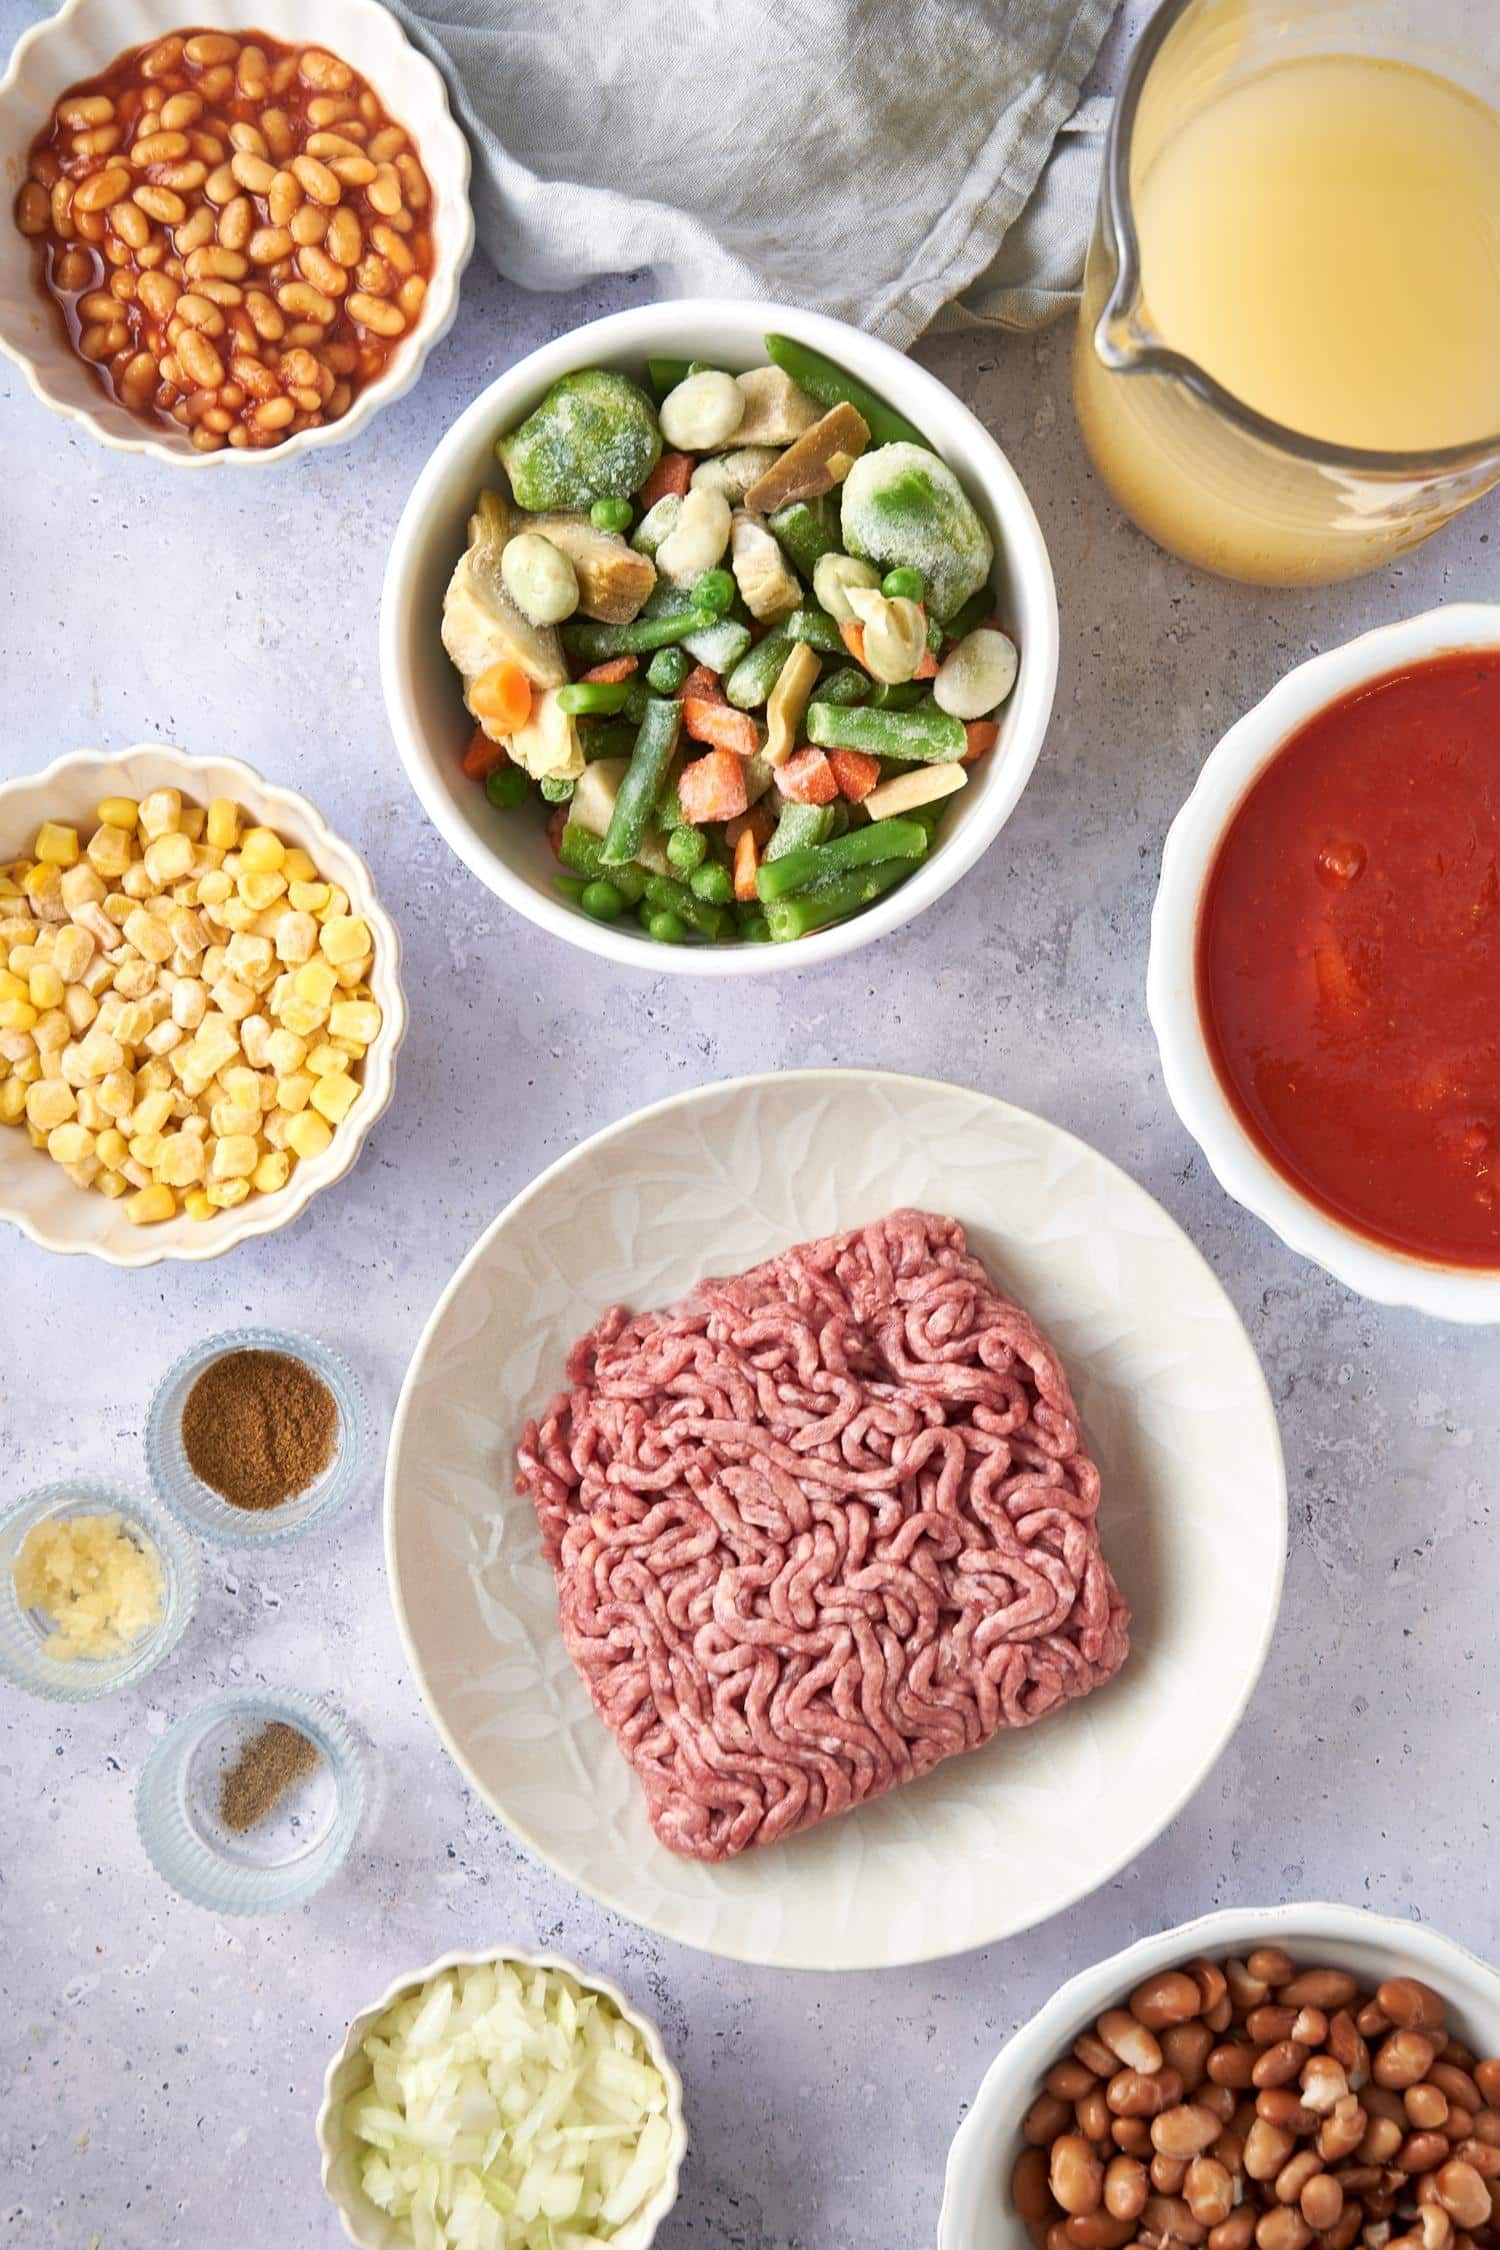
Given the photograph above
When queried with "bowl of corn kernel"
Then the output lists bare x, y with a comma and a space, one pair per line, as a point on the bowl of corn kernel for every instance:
200, 1004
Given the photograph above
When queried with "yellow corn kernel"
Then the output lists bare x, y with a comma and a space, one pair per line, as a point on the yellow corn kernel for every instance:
236, 914
70, 1144
160, 813
222, 828
180, 1160
294, 1092
299, 1016
134, 1023
49, 1102
109, 851
149, 936
308, 1134
111, 1147
72, 951
55, 1028
13, 986
43, 886
120, 812
285, 1052
272, 1172
91, 1111
47, 987
273, 1126
338, 903
99, 1055
112, 1183
13, 1092
215, 887
145, 1149
151, 1204
192, 822
232, 998
261, 851
261, 888
56, 845
296, 937
17, 1015
344, 937
168, 858
151, 1111
28, 1070
309, 897
316, 983
298, 866
116, 1092
231, 1119
153, 1078
225, 1194
324, 1059
200, 1205
235, 1156
354, 1019
335, 1095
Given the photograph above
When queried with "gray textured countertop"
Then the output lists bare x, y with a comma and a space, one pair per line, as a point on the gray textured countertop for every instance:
159, 2068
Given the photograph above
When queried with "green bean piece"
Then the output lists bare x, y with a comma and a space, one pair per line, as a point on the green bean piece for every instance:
848, 685
807, 531
973, 612
556, 788
611, 515
818, 629
754, 929
637, 696
894, 695
794, 917
581, 852
715, 590
929, 736
799, 826
603, 900
712, 883
687, 848
593, 698
649, 760
606, 738
666, 374
668, 668
902, 584
861, 847
598, 643
757, 672
662, 924
824, 380
843, 816
507, 786
671, 897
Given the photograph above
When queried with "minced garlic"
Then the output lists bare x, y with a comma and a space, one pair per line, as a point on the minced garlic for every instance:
91, 1577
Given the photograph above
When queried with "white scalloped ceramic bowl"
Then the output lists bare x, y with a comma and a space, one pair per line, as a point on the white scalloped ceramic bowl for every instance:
1373, 1269
35, 1194
977, 2212
373, 2229
83, 38
509, 852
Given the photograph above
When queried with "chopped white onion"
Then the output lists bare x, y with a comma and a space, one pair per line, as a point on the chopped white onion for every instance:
509, 2108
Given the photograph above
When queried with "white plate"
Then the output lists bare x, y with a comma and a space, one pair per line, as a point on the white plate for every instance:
1193, 1517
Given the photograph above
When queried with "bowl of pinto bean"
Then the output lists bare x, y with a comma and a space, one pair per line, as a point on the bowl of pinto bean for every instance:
225, 243
1288, 2078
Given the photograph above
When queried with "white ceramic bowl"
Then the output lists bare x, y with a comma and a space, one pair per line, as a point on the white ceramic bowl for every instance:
82, 39
977, 2212
373, 2229
35, 1194
1372, 1268
422, 693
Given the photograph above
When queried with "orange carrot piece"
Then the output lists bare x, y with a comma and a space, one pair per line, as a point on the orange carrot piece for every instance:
712, 788
928, 668
746, 860
759, 820
717, 724
618, 668
501, 696
807, 779
673, 474
483, 756
855, 772
979, 735
703, 686
853, 636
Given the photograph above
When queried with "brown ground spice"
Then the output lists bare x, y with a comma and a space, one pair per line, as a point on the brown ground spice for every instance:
259, 1427
262, 1774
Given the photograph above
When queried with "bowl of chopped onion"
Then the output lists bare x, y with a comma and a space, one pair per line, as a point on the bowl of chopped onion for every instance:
501, 2101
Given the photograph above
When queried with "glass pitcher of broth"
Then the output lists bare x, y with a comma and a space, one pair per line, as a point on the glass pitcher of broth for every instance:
1287, 366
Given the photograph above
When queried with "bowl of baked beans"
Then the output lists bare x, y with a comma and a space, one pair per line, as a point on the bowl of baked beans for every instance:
230, 235
1294, 2078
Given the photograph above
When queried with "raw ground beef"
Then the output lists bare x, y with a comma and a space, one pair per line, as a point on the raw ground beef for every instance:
818, 1527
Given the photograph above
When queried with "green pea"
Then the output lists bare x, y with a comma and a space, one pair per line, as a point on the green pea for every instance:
555, 790
687, 848
507, 786
611, 515
712, 884
715, 590
602, 901
903, 584
668, 668
666, 927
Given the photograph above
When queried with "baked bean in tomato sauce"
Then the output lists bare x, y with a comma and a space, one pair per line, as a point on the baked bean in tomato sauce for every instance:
236, 233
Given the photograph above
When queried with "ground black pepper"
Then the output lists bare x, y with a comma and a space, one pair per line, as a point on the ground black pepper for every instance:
265, 1769
259, 1427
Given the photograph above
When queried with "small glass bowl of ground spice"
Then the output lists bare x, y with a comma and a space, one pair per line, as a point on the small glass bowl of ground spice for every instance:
97, 1584
250, 1803
256, 1435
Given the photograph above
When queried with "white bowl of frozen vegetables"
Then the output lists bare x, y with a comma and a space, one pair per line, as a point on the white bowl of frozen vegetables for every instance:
718, 638
501, 2101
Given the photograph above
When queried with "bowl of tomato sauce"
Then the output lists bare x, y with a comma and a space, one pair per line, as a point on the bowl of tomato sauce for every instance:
1325, 962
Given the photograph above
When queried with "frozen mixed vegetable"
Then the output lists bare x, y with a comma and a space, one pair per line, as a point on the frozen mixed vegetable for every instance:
735, 631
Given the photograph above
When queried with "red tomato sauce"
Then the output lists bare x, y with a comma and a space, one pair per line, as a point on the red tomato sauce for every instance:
1348, 960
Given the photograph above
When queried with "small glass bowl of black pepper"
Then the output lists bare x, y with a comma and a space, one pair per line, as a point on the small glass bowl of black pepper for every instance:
250, 1803
256, 1436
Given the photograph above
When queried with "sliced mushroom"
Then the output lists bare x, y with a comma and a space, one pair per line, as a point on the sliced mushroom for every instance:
481, 624
734, 473
777, 410
769, 589
818, 460
613, 578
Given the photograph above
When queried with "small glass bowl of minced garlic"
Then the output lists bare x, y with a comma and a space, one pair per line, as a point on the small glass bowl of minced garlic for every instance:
97, 1584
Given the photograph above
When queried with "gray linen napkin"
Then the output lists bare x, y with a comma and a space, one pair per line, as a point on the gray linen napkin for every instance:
867, 158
